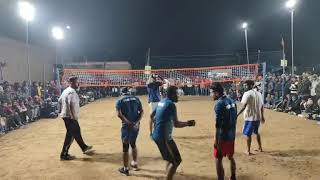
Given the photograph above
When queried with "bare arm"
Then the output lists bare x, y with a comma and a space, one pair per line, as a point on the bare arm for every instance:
262, 114
140, 117
123, 118
242, 109
151, 121
180, 124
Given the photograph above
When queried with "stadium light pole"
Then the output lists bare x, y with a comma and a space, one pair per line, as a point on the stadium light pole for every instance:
58, 35
27, 13
290, 4
245, 28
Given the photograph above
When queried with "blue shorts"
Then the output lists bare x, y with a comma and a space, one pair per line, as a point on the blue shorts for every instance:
129, 135
251, 127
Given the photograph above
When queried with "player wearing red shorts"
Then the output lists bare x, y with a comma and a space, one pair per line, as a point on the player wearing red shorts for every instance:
226, 120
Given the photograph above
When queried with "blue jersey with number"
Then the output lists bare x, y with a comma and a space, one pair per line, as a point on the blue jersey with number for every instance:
130, 107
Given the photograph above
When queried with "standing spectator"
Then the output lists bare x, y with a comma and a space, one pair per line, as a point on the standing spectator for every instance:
189, 87
314, 83
294, 87
287, 84
278, 89
202, 88
304, 87
271, 85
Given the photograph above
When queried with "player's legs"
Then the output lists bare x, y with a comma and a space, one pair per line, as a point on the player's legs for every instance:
76, 133
232, 167
172, 168
125, 151
219, 168
134, 163
125, 155
171, 154
247, 132
256, 132
67, 141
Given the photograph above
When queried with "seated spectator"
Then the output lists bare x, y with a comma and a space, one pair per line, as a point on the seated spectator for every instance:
19, 111
30, 109
295, 106
3, 121
270, 101
285, 104
38, 104
24, 110
14, 120
49, 109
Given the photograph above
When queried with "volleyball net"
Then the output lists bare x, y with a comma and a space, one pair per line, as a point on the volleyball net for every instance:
103, 78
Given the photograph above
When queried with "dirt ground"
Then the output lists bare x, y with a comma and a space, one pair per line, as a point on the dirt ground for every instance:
291, 144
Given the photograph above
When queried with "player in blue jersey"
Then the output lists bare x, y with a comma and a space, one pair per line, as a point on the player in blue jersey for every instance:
163, 118
130, 112
153, 86
226, 121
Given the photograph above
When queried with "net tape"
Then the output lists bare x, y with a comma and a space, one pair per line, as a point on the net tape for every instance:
103, 78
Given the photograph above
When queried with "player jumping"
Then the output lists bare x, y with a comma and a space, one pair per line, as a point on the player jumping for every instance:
153, 86
164, 117
226, 120
130, 111
252, 102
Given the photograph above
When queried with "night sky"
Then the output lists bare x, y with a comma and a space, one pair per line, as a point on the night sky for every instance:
104, 29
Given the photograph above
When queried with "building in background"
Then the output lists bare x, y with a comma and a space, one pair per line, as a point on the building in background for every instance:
14, 55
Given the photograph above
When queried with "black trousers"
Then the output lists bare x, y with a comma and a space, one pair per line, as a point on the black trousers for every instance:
73, 132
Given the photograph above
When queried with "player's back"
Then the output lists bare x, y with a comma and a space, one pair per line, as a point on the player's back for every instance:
228, 118
130, 107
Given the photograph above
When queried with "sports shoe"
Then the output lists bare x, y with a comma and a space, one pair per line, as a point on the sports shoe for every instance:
67, 157
124, 171
88, 150
134, 166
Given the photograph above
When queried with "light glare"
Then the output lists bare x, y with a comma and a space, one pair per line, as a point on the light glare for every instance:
57, 33
26, 10
291, 4
244, 25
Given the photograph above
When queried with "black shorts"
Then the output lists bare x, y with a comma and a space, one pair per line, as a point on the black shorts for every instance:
169, 151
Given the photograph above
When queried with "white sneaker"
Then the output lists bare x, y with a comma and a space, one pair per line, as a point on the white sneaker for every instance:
134, 166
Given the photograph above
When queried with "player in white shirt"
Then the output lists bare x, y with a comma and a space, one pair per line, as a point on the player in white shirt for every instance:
70, 110
252, 102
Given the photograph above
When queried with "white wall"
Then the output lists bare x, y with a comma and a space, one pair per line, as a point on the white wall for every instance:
14, 54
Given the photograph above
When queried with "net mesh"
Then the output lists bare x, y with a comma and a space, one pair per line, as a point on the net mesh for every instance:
94, 77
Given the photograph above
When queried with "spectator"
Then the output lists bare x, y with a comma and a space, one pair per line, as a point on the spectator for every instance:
25, 89
294, 108
278, 89
34, 89
304, 87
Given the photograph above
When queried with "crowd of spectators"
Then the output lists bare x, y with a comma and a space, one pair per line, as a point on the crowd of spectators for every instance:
296, 95
21, 104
